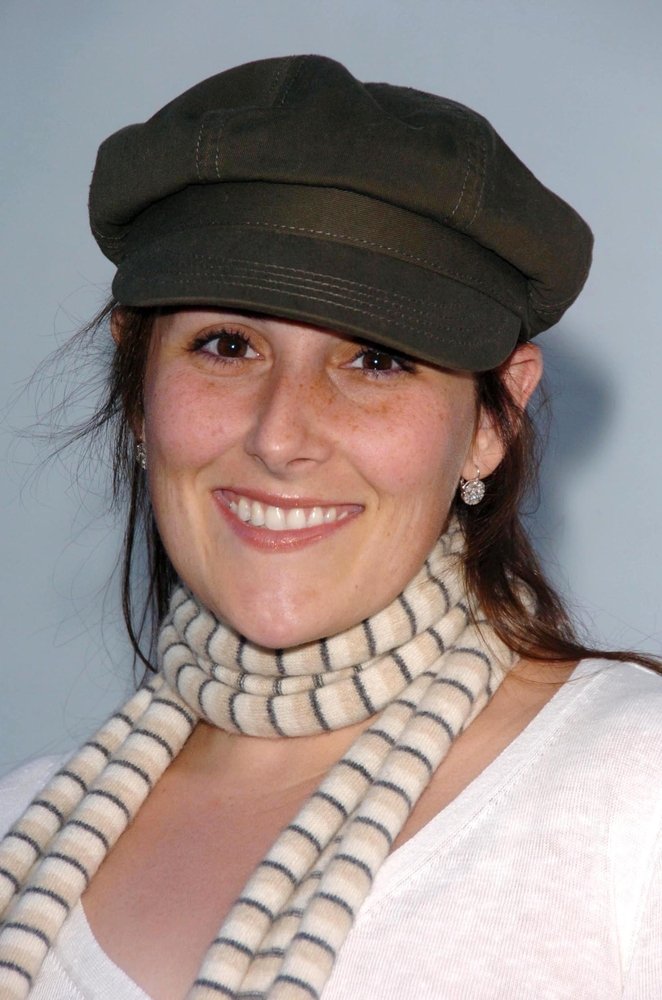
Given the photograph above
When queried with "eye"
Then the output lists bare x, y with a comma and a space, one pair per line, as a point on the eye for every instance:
378, 362
225, 345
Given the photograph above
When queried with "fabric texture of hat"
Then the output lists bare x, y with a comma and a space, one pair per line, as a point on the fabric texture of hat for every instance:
286, 186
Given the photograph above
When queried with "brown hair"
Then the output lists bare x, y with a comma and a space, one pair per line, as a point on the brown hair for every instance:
499, 556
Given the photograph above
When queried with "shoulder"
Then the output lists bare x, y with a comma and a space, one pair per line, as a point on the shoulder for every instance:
608, 745
615, 707
620, 698
594, 752
619, 759
19, 787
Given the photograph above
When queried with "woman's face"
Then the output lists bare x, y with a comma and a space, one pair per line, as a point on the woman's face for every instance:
298, 478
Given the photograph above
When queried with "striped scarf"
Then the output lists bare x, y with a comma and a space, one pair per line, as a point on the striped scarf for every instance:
424, 667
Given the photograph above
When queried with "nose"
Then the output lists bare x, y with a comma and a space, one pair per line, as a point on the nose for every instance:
291, 429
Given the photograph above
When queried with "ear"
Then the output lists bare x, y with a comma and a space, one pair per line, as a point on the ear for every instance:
117, 324
521, 373
118, 330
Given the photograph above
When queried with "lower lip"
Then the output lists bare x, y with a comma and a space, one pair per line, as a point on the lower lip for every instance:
280, 541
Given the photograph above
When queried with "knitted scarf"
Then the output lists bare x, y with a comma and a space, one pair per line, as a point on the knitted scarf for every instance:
424, 667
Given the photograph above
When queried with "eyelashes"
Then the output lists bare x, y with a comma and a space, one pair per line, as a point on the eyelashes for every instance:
228, 345
379, 363
231, 345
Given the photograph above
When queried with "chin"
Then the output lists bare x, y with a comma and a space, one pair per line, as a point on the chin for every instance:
278, 627
282, 634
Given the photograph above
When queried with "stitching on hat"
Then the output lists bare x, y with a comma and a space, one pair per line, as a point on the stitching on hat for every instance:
356, 288
501, 295
464, 279
469, 165
532, 291
197, 147
106, 239
437, 265
553, 308
483, 175
432, 327
383, 298
275, 79
221, 118
540, 307
464, 184
337, 289
217, 151
346, 294
293, 78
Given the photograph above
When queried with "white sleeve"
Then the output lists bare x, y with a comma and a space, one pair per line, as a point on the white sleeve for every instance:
643, 979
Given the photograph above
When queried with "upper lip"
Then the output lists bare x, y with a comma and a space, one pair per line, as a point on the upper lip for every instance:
284, 502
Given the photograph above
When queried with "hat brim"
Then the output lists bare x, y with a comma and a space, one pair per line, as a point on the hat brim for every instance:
329, 258
391, 302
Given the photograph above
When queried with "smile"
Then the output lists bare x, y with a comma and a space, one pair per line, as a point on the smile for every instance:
284, 516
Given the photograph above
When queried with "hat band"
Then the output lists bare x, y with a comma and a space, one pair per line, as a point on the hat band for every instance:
329, 257
335, 216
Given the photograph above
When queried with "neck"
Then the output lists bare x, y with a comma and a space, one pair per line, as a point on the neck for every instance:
320, 686
212, 753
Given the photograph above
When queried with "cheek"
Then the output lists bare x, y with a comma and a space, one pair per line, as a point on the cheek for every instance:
185, 421
418, 448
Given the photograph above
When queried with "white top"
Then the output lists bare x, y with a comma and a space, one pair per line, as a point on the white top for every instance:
542, 880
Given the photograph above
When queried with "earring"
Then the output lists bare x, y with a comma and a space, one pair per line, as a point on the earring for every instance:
141, 454
472, 491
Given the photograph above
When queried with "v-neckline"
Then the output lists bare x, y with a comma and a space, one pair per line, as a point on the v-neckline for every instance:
80, 952
477, 795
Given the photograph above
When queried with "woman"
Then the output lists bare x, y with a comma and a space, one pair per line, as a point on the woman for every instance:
322, 313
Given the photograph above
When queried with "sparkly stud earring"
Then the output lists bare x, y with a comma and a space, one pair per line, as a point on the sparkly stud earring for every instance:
472, 491
141, 454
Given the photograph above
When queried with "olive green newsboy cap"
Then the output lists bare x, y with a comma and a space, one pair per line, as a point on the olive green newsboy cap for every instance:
288, 187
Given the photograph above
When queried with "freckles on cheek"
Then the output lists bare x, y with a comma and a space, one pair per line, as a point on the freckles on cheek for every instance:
423, 448
184, 422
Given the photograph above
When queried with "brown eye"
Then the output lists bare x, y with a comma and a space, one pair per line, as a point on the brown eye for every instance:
376, 362
229, 344
226, 345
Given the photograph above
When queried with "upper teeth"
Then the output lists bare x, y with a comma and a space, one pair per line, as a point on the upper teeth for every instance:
262, 515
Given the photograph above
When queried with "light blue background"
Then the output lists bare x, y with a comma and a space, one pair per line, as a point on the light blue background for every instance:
573, 85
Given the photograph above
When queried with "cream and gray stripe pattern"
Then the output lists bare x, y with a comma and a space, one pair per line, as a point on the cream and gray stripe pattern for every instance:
422, 667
